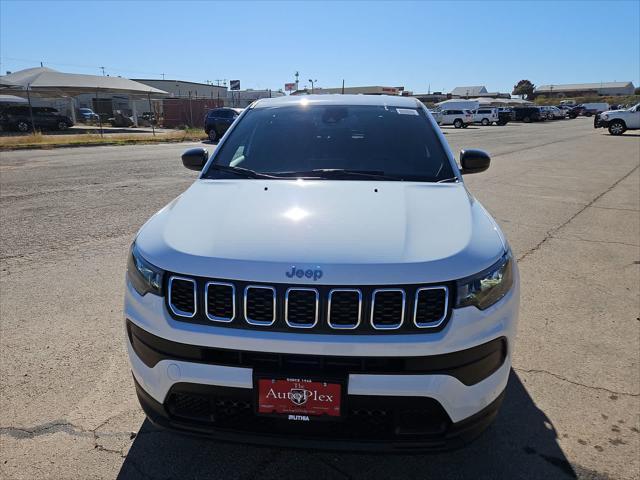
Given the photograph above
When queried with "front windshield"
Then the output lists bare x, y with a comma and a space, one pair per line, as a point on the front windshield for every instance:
335, 141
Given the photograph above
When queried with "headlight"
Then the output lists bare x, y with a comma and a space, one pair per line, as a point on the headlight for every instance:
487, 287
144, 277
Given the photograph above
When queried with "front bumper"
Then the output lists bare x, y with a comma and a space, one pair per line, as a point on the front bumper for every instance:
455, 377
407, 429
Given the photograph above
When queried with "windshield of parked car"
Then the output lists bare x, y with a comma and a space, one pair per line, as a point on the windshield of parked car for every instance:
336, 142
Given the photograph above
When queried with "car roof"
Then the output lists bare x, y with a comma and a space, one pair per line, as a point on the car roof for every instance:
220, 109
374, 100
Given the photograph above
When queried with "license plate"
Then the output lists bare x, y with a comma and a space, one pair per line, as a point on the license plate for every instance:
298, 398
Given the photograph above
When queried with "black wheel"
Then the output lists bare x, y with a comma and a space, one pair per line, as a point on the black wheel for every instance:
62, 125
617, 127
587, 114
23, 126
213, 135
526, 119
457, 123
485, 122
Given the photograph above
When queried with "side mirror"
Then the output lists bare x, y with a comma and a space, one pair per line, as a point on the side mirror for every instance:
195, 158
474, 161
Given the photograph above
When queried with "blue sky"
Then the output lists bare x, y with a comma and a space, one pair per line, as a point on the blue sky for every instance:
413, 44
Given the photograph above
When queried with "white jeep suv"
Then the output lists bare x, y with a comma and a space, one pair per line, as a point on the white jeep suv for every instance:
327, 281
459, 118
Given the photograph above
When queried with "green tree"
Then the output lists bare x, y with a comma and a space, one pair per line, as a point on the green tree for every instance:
524, 87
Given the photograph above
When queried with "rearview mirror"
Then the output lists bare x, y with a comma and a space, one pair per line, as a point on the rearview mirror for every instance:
473, 161
195, 158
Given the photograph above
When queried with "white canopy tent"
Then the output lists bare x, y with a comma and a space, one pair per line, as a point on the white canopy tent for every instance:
5, 84
12, 99
499, 102
46, 82
486, 101
43, 80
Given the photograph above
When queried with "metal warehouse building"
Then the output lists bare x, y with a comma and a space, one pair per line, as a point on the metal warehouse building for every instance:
585, 89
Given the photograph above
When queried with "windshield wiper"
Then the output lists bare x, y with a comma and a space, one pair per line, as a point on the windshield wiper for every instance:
446, 180
244, 172
339, 172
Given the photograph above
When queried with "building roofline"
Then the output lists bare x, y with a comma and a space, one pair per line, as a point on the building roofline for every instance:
181, 81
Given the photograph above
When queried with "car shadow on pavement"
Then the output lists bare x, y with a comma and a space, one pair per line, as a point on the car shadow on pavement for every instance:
522, 443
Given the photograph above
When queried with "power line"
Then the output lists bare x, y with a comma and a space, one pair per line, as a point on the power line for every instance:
76, 65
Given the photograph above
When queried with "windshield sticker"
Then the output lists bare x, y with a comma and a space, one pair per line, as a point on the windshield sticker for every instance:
406, 111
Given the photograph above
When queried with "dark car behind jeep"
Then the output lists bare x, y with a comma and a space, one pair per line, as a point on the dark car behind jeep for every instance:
44, 118
505, 115
576, 111
218, 121
527, 114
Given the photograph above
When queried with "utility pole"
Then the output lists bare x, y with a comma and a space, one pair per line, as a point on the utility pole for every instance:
162, 75
313, 82
102, 68
297, 75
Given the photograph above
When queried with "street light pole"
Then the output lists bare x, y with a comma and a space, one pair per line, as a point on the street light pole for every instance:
312, 84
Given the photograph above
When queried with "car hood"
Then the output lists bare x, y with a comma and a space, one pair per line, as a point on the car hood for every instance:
356, 232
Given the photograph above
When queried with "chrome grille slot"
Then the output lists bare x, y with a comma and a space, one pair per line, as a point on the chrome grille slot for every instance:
260, 305
387, 308
219, 300
301, 307
345, 308
431, 306
182, 296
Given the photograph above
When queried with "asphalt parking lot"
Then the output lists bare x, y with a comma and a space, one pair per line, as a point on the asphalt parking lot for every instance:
566, 195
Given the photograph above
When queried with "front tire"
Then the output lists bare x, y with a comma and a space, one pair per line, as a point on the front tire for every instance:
526, 119
213, 135
63, 125
617, 127
23, 126
485, 122
457, 123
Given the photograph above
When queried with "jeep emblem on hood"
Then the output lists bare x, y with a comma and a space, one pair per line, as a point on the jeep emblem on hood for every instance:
308, 273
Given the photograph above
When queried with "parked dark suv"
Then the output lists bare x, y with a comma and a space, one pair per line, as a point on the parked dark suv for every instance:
527, 114
44, 118
576, 111
218, 121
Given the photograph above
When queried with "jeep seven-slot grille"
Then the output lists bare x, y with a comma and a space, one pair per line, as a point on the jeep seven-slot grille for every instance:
306, 308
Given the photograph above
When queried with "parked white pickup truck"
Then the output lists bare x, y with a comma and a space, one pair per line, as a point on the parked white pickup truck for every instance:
619, 121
